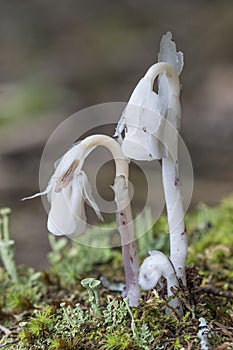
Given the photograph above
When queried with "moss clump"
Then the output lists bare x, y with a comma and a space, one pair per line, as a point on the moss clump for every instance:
38, 326
118, 340
211, 248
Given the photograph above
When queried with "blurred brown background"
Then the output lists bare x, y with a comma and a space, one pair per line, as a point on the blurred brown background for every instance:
57, 57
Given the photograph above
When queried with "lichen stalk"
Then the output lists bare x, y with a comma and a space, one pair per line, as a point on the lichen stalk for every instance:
7, 245
5, 213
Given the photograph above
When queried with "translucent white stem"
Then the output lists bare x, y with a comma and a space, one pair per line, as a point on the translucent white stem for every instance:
122, 167
175, 213
170, 171
124, 214
172, 76
128, 240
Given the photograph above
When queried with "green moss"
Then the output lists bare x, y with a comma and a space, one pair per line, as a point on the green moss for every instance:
38, 326
210, 248
20, 299
64, 344
118, 340
156, 237
211, 228
70, 260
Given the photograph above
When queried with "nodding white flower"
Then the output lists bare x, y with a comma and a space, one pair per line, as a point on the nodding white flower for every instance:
141, 121
67, 191
69, 187
145, 115
67, 213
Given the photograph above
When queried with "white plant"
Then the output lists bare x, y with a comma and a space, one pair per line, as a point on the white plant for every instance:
153, 268
142, 120
151, 122
69, 188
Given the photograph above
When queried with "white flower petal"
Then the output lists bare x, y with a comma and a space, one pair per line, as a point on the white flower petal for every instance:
145, 115
145, 130
144, 124
67, 214
61, 220
87, 191
57, 162
46, 191
77, 204
75, 153
120, 126
143, 94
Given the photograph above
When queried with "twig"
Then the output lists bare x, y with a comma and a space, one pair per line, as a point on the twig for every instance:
8, 343
213, 290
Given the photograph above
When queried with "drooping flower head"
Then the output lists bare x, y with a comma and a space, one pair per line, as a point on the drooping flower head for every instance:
67, 191
69, 188
145, 117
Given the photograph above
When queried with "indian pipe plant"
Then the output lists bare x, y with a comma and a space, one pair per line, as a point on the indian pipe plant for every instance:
150, 123
68, 189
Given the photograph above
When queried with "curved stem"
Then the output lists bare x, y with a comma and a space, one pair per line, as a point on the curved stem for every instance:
172, 76
128, 240
122, 167
124, 213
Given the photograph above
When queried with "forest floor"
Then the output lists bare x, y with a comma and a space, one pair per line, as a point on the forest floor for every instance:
52, 310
